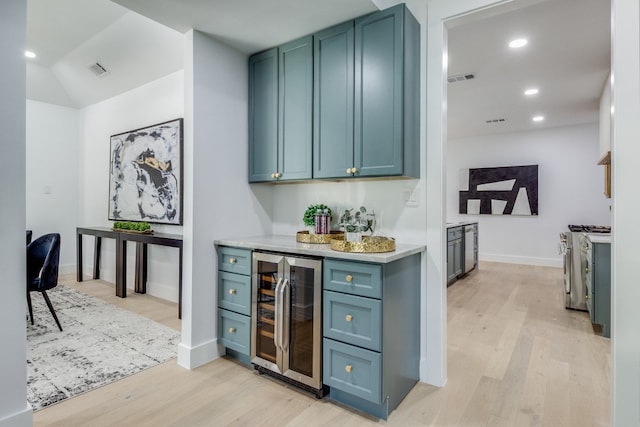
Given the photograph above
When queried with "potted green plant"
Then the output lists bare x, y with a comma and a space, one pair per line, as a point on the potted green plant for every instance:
355, 223
309, 217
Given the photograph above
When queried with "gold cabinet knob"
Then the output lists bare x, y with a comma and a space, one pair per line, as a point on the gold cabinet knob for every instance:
349, 278
348, 368
348, 318
232, 330
273, 175
232, 260
354, 170
348, 170
278, 175
232, 291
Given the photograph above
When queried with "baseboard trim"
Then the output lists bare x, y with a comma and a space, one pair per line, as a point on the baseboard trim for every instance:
525, 260
23, 418
428, 376
192, 357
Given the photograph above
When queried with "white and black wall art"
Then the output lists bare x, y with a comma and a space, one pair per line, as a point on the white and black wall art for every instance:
146, 174
511, 190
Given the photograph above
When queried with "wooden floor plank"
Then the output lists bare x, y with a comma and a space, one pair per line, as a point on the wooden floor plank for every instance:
516, 356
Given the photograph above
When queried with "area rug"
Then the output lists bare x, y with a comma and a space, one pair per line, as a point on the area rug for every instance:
101, 343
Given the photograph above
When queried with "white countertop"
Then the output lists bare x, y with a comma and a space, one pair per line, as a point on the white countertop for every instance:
460, 223
288, 244
599, 237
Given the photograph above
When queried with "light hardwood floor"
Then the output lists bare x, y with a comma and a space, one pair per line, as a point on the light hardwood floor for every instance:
516, 357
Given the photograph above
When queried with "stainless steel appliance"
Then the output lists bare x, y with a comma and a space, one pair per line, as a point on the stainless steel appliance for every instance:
574, 286
470, 247
286, 334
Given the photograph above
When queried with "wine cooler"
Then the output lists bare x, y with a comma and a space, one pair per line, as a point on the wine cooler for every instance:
286, 334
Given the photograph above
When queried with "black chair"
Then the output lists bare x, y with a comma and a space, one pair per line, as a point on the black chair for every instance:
43, 257
29, 234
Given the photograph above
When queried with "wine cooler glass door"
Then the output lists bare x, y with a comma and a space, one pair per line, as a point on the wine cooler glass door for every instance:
268, 279
301, 314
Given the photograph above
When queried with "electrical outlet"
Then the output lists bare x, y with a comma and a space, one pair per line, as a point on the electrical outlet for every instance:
411, 197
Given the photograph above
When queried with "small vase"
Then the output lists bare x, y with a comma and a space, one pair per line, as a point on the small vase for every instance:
353, 236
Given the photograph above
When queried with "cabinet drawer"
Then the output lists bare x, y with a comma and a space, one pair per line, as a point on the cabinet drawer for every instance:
353, 278
454, 233
353, 319
234, 292
234, 331
234, 260
353, 370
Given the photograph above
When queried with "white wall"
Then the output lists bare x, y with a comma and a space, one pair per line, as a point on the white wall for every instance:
625, 316
155, 102
52, 176
14, 409
386, 198
218, 200
570, 189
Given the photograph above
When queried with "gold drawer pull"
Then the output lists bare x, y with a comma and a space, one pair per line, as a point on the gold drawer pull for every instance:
233, 260
348, 368
348, 318
232, 330
349, 278
232, 291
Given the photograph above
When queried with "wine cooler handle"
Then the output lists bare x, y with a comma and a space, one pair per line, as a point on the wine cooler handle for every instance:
278, 316
286, 315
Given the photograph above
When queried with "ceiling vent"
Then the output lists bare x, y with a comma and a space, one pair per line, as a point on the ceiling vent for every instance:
461, 77
496, 121
98, 69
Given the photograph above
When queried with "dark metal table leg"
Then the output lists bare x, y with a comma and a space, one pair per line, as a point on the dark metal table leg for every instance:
141, 268
79, 257
121, 268
96, 257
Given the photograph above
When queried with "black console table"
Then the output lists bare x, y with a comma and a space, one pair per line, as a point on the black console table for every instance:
121, 238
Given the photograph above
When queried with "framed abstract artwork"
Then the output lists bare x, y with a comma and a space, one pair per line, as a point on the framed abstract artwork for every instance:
145, 182
511, 190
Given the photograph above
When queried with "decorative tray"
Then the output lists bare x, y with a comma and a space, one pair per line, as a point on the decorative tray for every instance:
368, 244
121, 230
306, 237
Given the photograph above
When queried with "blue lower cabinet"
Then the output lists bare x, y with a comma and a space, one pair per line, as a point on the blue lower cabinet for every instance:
235, 331
371, 345
353, 319
353, 370
234, 292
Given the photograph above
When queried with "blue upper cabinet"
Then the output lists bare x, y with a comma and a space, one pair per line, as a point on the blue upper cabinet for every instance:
280, 112
333, 63
366, 97
387, 94
263, 116
295, 111
344, 103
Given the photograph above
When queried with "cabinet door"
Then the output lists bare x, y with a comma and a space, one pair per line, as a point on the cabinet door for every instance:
295, 109
333, 102
378, 120
263, 115
451, 259
459, 257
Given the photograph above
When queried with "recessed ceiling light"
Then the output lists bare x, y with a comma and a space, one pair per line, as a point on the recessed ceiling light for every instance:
29, 54
517, 43
530, 92
538, 118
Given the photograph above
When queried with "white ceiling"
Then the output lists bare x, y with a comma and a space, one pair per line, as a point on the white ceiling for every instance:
567, 56
567, 59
